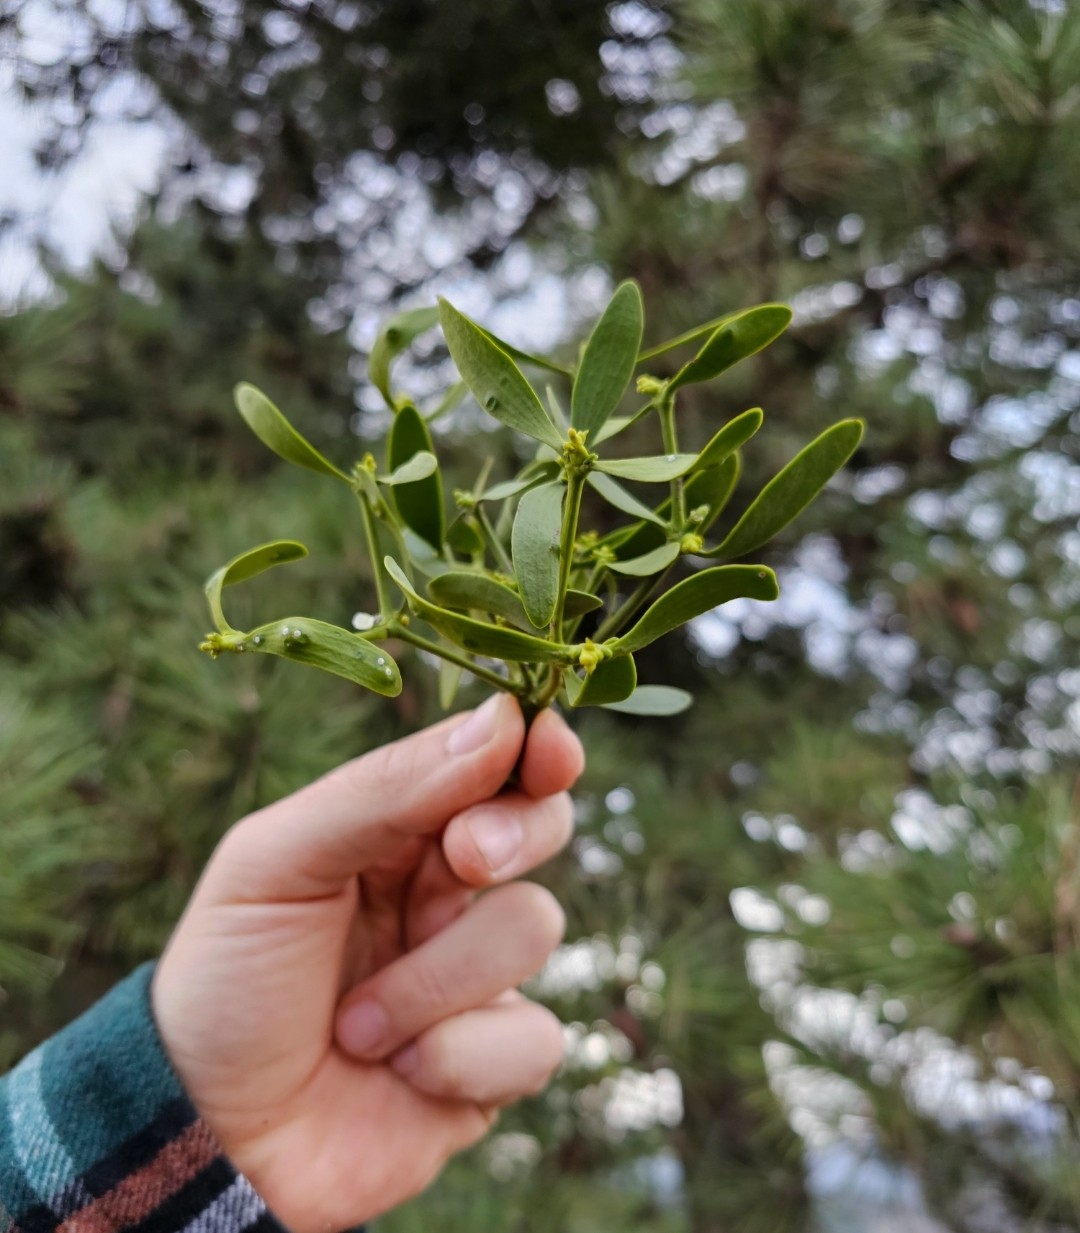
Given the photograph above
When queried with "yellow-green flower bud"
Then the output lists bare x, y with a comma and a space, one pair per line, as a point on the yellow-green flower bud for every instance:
214, 644
590, 655
576, 453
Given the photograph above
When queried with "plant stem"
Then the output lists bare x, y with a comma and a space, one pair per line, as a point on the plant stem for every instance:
397, 630
575, 486
554, 680
595, 576
591, 586
494, 543
449, 401
372, 537
404, 556
638, 597
671, 446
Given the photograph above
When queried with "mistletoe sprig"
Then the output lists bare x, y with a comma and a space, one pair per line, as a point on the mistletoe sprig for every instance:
504, 589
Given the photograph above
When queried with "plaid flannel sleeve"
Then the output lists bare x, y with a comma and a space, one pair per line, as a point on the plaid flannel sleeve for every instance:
97, 1135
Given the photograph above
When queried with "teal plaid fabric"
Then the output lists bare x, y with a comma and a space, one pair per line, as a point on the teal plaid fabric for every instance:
97, 1135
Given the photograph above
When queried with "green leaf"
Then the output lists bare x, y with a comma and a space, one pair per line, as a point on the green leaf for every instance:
527, 357
612, 428
423, 559
711, 488
534, 545
496, 381
478, 637
731, 437
697, 594
364, 483
419, 503
330, 648
609, 360
449, 680
615, 494
655, 470
651, 563
790, 491
558, 415
418, 467
248, 565
653, 700
395, 334
638, 539
277, 434
462, 589
448, 402
742, 335
464, 536
692, 335
614, 539
510, 488
612, 680
257, 560
577, 603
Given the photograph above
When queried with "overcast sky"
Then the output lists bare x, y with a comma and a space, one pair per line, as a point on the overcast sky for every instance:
73, 210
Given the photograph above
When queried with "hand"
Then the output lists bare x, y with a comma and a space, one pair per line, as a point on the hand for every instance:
341, 1008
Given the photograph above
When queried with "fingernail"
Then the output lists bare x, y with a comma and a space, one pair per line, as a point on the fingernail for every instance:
406, 1060
498, 836
362, 1027
477, 730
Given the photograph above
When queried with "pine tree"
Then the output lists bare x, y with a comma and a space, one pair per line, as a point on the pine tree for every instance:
905, 175
857, 855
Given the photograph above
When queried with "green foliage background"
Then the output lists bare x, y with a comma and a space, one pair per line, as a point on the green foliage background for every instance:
832, 912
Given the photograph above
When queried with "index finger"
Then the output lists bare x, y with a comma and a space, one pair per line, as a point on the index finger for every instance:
310, 844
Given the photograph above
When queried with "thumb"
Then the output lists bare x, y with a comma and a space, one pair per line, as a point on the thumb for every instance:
309, 844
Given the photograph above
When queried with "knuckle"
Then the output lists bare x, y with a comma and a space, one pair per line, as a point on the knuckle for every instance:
427, 987
232, 846
237, 850
386, 770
